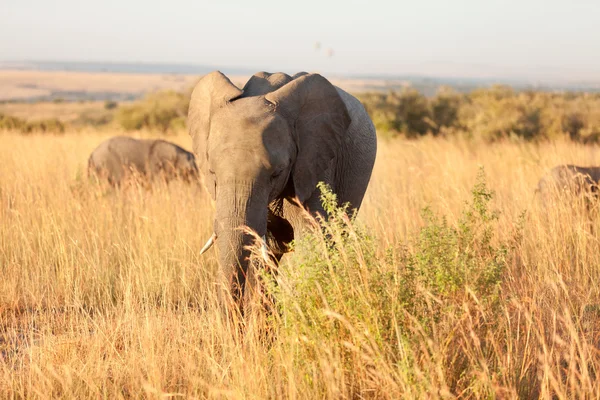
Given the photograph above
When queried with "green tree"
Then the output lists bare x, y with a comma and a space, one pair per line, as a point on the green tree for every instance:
162, 111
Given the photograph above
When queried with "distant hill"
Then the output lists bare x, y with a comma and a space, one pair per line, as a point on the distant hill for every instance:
130, 68
73, 81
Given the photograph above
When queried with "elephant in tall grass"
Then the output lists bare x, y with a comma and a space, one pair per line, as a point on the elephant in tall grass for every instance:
570, 180
119, 157
263, 149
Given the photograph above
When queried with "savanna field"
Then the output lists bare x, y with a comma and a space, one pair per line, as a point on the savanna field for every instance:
453, 282
138, 137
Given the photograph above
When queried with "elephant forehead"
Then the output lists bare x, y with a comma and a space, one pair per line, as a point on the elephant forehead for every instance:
262, 132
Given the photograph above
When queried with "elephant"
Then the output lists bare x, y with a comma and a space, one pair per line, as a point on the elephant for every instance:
570, 180
262, 150
116, 158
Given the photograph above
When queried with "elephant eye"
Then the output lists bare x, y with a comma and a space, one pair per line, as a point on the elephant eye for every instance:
276, 173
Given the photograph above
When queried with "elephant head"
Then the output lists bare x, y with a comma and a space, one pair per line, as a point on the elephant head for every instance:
275, 139
172, 161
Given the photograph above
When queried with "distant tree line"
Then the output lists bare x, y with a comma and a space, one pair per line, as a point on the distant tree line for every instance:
489, 114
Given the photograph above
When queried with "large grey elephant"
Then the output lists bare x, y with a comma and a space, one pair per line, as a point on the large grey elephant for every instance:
263, 149
569, 180
116, 158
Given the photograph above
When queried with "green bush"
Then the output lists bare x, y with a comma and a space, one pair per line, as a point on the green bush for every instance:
110, 105
491, 114
500, 113
94, 118
162, 111
9, 123
446, 260
444, 109
382, 304
51, 125
406, 111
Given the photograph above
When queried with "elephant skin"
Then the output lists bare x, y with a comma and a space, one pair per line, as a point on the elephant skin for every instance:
117, 158
263, 149
569, 180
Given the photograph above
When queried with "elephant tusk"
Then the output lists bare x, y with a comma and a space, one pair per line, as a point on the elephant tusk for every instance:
263, 249
208, 244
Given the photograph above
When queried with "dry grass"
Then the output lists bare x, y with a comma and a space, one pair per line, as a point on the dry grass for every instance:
103, 294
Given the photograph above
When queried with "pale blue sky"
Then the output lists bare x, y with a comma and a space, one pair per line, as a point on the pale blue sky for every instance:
531, 38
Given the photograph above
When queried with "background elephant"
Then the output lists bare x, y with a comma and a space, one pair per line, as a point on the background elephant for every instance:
570, 180
263, 149
117, 157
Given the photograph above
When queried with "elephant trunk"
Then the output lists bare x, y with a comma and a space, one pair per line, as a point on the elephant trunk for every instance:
238, 206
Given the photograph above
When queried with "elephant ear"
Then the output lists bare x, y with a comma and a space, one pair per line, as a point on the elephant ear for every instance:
211, 92
319, 117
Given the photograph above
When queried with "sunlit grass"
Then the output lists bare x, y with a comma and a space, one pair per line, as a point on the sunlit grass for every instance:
103, 293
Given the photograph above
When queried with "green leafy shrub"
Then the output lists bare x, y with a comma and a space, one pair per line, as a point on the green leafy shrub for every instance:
444, 109
499, 113
572, 123
51, 125
162, 111
406, 112
447, 260
110, 105
95, 118
9, 123
383, 305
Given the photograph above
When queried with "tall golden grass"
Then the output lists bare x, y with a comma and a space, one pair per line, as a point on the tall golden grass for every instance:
103, 294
